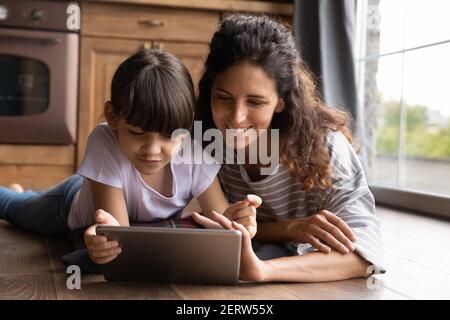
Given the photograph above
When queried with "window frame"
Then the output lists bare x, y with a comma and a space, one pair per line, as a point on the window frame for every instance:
427, 203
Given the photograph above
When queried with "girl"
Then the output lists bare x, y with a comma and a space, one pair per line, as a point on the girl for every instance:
316, 202
129, 172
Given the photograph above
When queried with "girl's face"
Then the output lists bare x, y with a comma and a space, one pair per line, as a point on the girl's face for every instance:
244, 97
149, 152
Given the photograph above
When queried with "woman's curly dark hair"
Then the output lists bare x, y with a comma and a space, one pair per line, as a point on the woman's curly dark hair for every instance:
305, 121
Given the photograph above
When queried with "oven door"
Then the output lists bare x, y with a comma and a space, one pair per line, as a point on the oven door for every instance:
38, 86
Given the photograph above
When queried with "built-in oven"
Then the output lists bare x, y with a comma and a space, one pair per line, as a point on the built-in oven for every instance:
39, 53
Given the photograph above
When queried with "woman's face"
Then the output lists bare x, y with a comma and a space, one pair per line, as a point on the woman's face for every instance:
243, 97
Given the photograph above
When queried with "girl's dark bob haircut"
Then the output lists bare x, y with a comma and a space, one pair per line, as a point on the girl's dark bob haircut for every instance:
153, 90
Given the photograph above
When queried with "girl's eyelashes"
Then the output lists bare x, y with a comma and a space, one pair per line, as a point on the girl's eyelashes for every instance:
135, 133
142, 133
223, 98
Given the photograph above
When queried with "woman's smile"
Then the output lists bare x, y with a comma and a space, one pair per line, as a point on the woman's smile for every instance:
243, 102
238, 130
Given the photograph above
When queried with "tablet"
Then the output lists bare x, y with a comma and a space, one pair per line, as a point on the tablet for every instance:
174, 255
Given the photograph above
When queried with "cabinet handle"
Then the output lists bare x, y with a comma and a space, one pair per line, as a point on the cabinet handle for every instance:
157, 45
151, 23
146, 46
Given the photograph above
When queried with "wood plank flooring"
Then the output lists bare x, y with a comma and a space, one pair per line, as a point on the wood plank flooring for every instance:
417, 251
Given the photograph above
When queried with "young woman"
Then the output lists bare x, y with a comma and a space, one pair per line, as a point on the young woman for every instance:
129, 172
316, 202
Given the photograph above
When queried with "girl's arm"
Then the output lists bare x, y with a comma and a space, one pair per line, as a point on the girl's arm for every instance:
111, 200
110, 209
213, 199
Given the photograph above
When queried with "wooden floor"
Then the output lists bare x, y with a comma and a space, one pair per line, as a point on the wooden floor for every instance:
417, 253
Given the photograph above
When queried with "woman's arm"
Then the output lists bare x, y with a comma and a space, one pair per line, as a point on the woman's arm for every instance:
312, 267
316, 267
213, 199
111, 200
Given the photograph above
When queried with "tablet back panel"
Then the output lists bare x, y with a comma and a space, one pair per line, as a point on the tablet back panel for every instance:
174, 255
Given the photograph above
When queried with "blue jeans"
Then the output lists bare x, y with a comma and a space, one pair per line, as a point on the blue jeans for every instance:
45, 212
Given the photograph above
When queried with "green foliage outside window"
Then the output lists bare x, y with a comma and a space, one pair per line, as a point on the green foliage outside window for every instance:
424, 139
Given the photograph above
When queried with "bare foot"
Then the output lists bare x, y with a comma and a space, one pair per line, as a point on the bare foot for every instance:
16, 187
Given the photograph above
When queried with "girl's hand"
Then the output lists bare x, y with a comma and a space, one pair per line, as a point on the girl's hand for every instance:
101, 250
252, 268
244, 212
325, 231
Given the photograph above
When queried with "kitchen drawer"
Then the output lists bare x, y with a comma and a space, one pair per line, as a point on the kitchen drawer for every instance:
37, 154
141, 22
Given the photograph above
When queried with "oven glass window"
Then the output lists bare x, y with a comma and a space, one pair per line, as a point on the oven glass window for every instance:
24, 86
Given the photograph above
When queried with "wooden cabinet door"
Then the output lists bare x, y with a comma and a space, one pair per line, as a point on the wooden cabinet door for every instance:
192, 55
100, 58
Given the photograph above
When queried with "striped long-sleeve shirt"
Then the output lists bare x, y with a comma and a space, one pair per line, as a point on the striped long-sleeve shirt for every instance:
349, 198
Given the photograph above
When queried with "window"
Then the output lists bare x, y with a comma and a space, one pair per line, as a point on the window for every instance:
403, 63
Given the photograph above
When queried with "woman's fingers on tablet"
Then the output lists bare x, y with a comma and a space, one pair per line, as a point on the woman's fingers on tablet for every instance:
249, 222
251, 230
245, 234
224, 221
205, 222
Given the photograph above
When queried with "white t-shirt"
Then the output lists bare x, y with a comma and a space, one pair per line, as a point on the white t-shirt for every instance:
104, 162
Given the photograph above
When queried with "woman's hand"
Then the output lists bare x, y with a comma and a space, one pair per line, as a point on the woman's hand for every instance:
243, 212
101, 250
325, 231
251, 268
